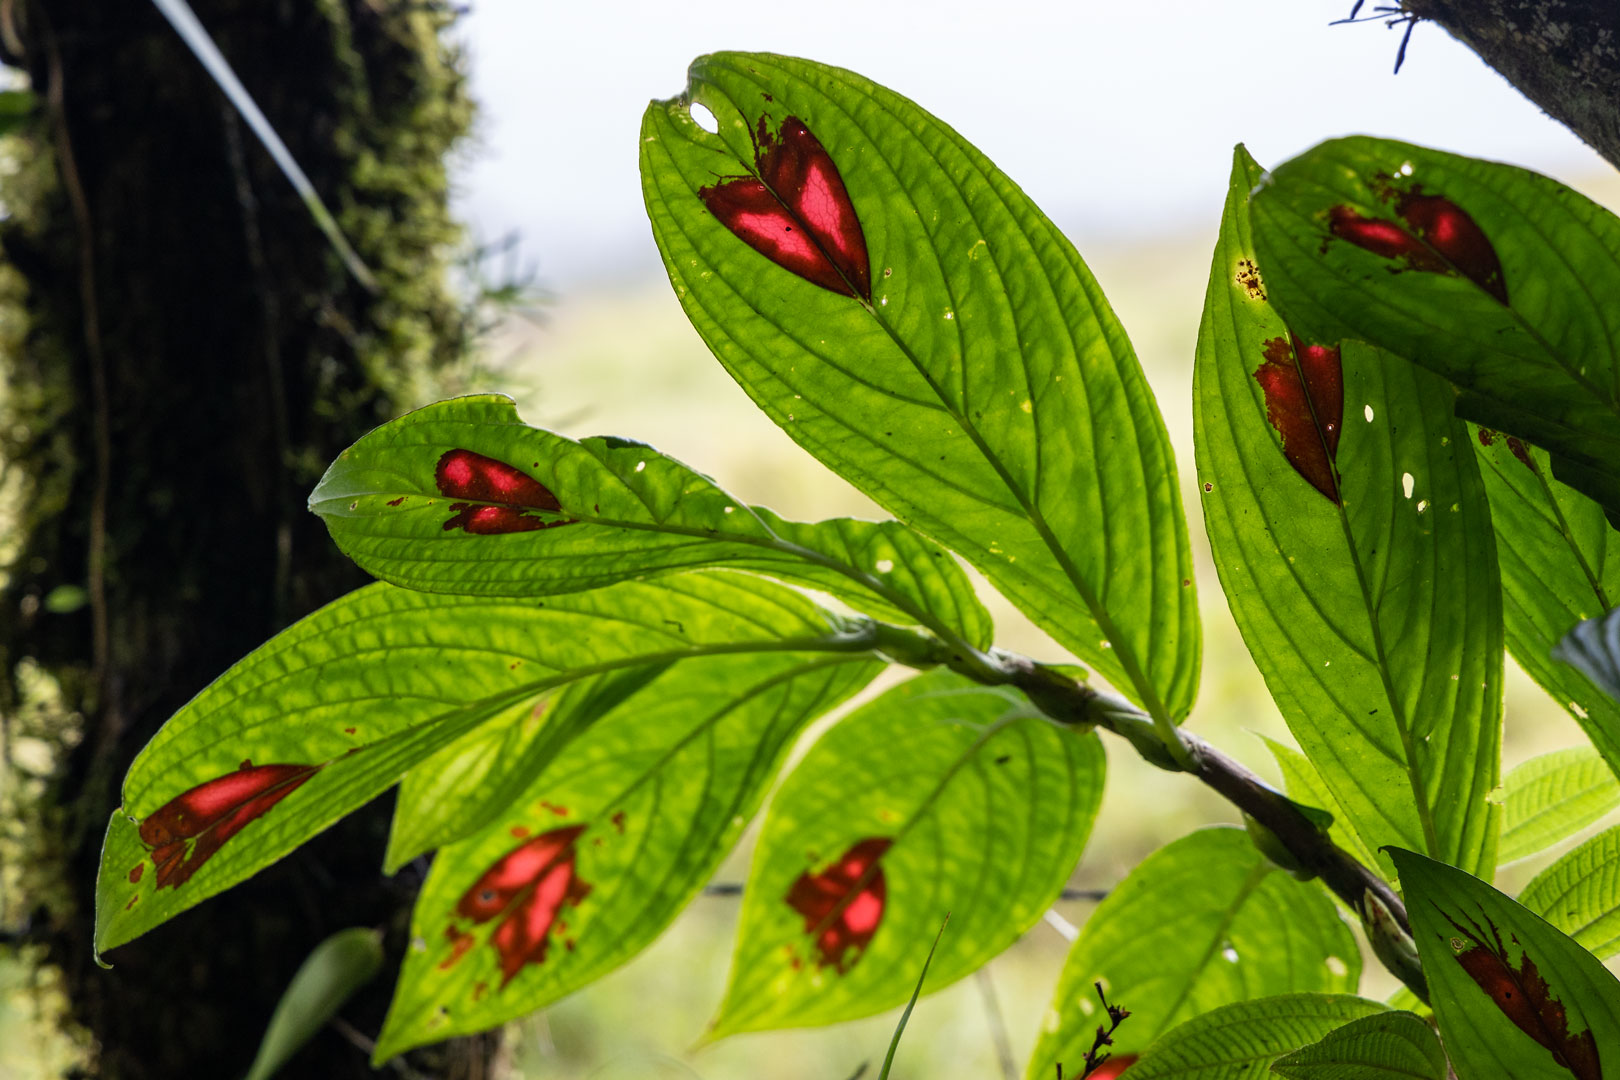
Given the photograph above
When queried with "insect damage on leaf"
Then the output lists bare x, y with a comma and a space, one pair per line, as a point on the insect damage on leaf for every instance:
500, 496
528, 886
843, 905
1439, 238
210, 814
1307, 413
796, 211
1515, 446
1523, 996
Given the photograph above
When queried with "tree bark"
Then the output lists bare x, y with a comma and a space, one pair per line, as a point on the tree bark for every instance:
1564, 55
185, 355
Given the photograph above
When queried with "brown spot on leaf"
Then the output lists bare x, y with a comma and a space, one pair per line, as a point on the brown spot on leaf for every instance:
796, 211
1516, 446
211, 813
844, 904
135, 874
1523, 996
1248, 277
1306, 412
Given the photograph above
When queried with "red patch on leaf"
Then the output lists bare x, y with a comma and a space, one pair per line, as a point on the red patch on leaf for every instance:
1112, 1067
526, 888
500, 496
1524, 997
1516, 446
460, 942
211, 813
1307, 413
844, 904
1439, 238
796, 211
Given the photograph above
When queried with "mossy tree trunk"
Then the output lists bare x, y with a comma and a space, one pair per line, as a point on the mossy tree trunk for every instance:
183, 354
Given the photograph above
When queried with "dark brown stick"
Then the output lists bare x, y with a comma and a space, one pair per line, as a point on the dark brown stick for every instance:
1564, 55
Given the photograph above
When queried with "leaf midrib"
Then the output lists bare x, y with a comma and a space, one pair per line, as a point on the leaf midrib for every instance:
1122, 649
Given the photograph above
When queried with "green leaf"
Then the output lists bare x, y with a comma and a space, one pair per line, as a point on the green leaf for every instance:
959, 365
1560, 564
1240, 1041
1580, 894
1593, 646
1550, 798
327, 978
466, 785
403, 503
1385, 1046
1202, 922
1304, 785
1491, 276
1513, 995
1364, 581
607, 844
332, 711
939, 796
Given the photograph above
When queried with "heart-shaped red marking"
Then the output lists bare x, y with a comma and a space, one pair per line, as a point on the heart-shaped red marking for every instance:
1440, 238
211, 813
843, 905
1307, 414
500, 495
528, 885
796, 211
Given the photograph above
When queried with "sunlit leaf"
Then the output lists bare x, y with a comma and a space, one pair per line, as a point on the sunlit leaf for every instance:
1580, 894
1304, 785
1202, 922
1560, 564
1384, 1046
328, 977
1351, 531
1551, 798
466, 785
1513, 995
940, 796
332, 711
1240, 1041
905, 313
607, 844
1491, 276
463, 497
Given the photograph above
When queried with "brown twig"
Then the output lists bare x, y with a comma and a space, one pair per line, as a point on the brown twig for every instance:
1068, 701
1105, 1037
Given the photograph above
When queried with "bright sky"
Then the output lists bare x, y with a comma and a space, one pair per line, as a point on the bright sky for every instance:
1118, 118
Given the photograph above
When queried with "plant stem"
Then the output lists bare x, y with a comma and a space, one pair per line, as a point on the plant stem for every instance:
1068, 701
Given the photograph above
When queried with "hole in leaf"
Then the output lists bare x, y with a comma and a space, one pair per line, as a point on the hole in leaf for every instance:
703, 118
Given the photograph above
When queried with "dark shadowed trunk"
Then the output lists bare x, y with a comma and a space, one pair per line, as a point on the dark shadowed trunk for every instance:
1564, 55
183, 354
